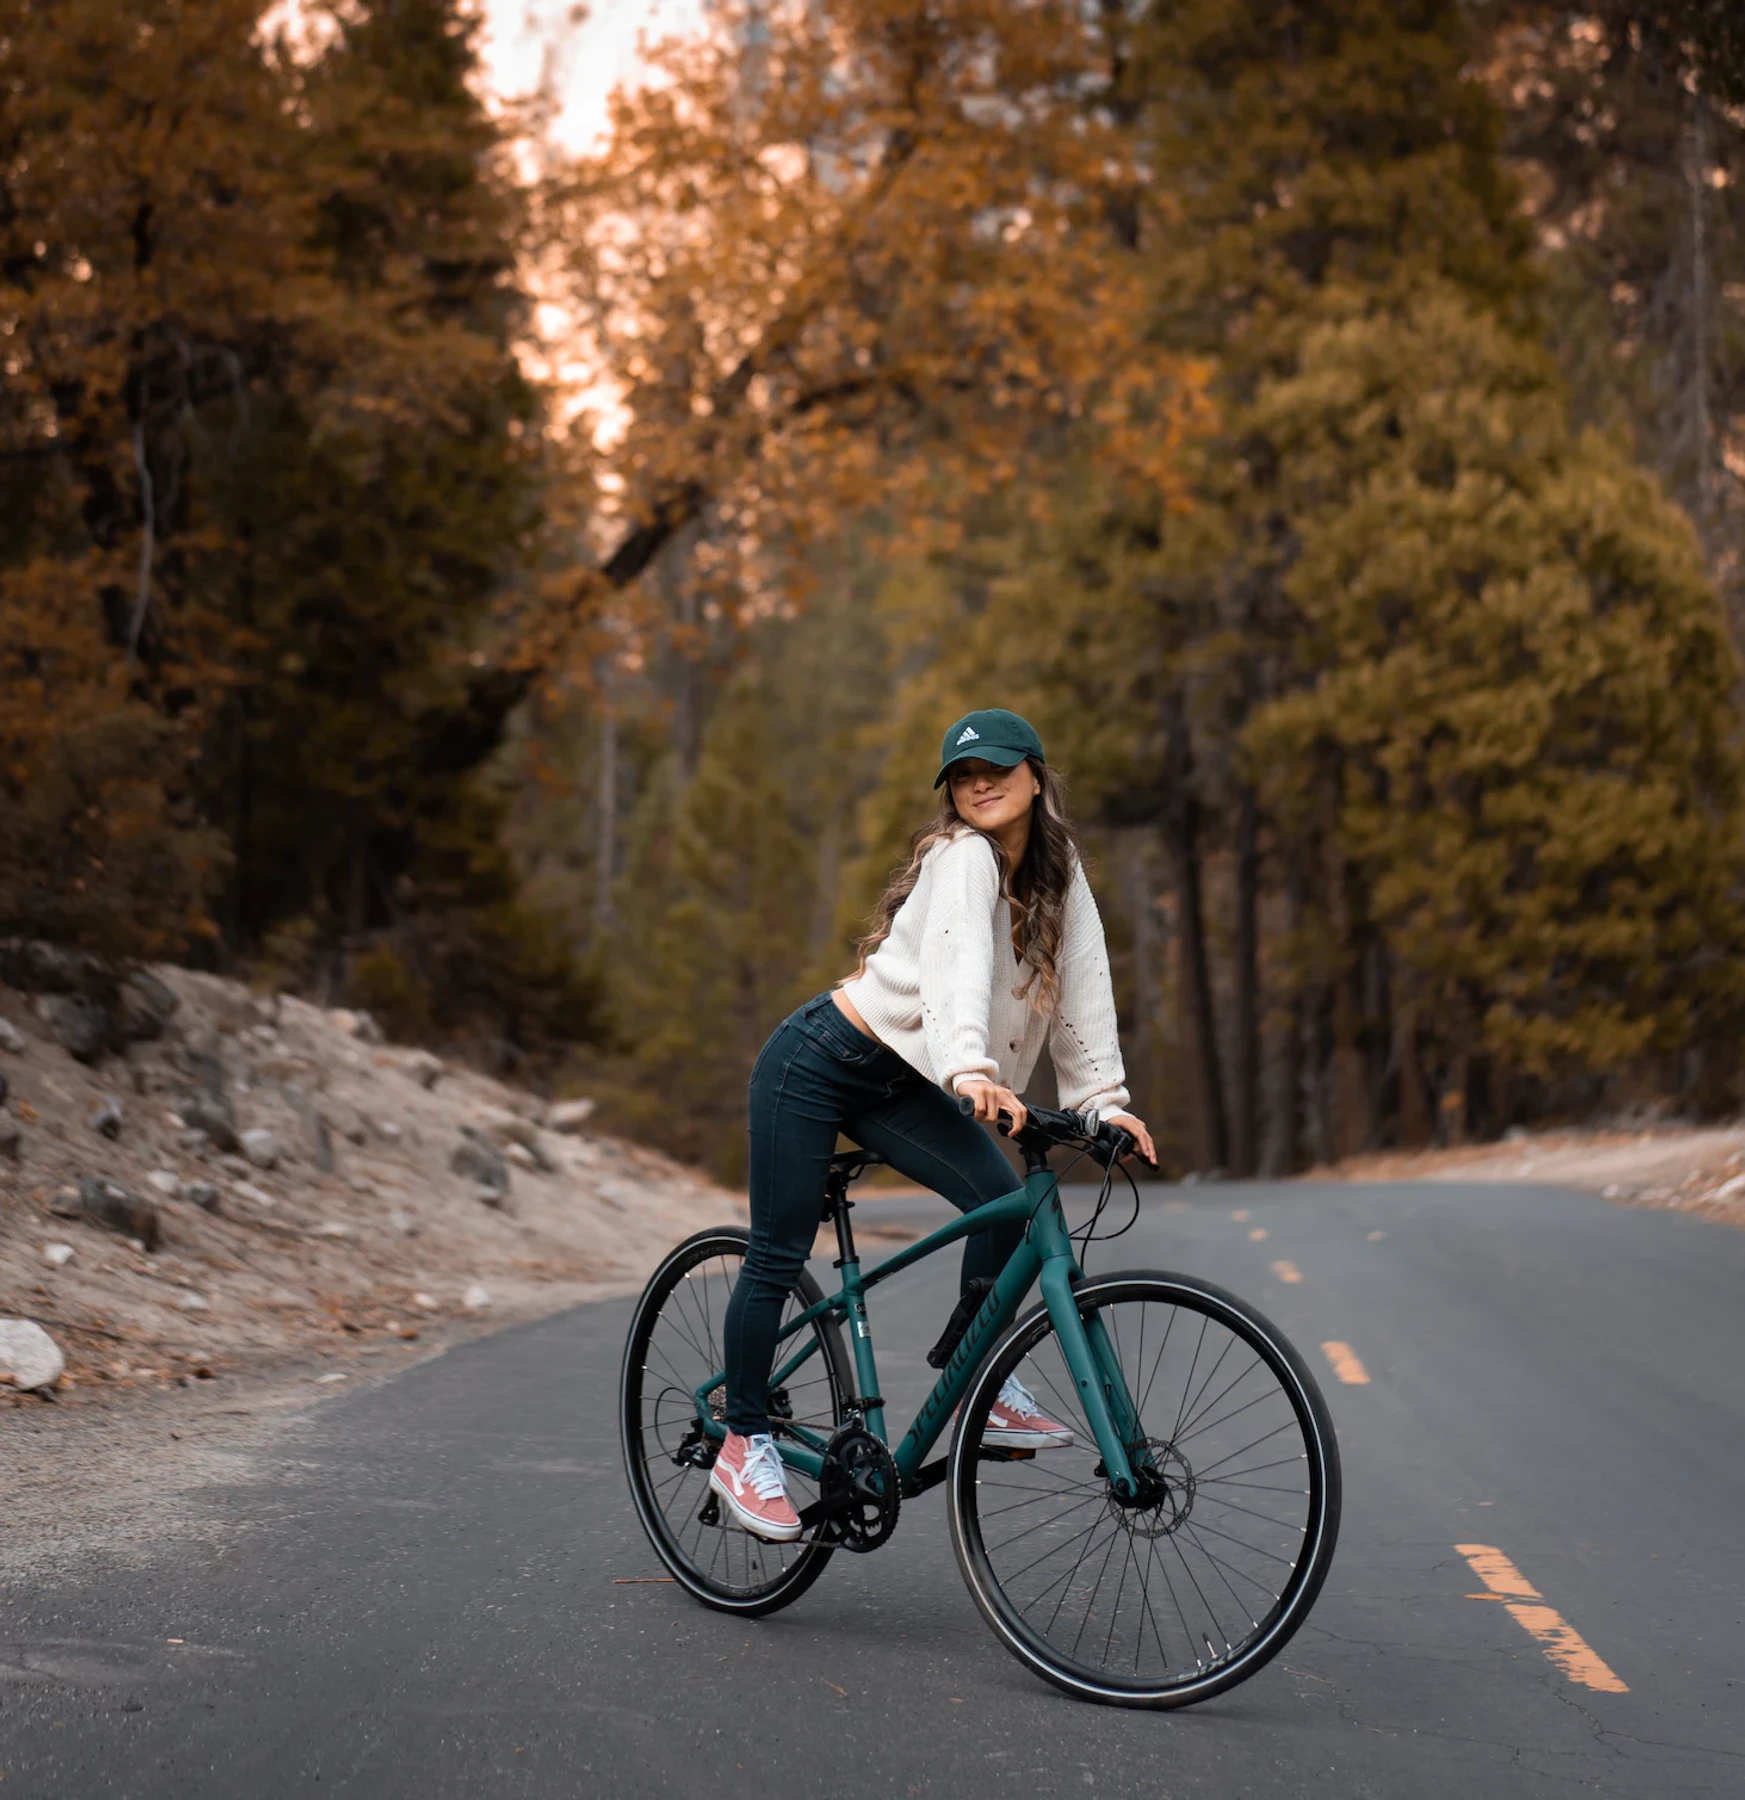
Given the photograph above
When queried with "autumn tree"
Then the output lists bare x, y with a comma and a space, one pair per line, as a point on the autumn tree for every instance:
861, 258
149, 252
270, 467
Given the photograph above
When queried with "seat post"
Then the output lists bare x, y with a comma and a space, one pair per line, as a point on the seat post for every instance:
837, 1207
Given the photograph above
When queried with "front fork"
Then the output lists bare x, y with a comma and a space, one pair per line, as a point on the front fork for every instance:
1096, 1371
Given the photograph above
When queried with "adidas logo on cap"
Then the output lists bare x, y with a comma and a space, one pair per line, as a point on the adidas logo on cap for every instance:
968, 732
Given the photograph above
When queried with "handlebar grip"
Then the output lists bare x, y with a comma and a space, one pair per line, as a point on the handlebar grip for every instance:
967, 1107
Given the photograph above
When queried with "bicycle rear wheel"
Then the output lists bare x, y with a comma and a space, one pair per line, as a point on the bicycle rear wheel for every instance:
1191, 1586
673, 1348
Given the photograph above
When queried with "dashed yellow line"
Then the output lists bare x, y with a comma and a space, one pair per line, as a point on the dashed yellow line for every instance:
1287, 1272
1258, 1235
1562, 1643
1345, 1363
1242, 1215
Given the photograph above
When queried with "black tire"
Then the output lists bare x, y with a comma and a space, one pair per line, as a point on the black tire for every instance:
1235, 1540
674, 1345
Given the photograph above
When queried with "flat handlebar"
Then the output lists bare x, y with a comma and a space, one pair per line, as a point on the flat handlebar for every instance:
1047, 1128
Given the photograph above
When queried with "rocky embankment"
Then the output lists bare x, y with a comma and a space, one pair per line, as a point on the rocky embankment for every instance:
197, 1182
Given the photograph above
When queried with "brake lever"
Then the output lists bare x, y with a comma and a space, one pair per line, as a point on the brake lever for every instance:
1114, 1142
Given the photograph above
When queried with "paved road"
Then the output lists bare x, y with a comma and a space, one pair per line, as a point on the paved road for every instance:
431, 1595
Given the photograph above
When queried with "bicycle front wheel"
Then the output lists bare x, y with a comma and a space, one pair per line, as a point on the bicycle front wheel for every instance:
673, 1349
1181, 1591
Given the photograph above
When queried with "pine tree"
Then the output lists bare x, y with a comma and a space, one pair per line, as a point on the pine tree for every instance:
1521, 699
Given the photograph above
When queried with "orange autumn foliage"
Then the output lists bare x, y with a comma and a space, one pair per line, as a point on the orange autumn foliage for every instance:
864, 260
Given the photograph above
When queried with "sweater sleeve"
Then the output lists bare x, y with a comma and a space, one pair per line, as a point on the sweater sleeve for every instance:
957, 961
1082, 1039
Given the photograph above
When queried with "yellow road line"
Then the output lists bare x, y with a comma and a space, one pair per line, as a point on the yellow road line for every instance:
1345, 1363
1562, 1643
1242, 1215
1287, 1272
1257, 1235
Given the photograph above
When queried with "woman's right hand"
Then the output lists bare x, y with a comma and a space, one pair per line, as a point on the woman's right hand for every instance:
990, 1100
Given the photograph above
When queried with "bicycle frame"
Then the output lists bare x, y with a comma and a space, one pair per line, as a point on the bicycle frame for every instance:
1046, 1254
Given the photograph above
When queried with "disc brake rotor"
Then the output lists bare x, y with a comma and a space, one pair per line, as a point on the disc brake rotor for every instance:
1165, 1499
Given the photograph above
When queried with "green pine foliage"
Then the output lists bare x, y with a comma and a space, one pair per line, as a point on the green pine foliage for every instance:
1517, 677
717, 901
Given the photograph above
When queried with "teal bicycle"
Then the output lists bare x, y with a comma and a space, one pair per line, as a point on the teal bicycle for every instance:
1164, 1556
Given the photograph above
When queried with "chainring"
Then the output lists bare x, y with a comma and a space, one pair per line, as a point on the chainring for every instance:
859, 1491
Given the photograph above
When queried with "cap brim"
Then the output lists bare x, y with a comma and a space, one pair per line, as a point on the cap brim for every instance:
993, 753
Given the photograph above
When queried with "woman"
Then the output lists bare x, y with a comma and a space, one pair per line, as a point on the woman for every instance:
935, 1010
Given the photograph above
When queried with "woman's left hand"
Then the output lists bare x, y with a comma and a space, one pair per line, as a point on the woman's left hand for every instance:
1135, 1129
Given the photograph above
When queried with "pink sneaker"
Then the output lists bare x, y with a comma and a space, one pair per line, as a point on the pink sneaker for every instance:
748, 1475
1016, 1422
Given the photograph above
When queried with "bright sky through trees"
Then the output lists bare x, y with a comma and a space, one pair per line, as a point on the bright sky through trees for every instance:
588, 51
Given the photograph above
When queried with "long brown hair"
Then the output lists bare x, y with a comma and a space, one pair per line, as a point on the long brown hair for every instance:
1037, 888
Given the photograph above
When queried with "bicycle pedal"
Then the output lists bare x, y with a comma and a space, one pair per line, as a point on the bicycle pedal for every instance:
711, 1511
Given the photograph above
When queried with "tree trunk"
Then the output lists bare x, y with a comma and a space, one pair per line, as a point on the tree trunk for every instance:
606, 814
1414, 1101
1284, 1138
1245, 1125
1697, 181
1350, 1108
1181, 830
1141, 1039
1451, 1109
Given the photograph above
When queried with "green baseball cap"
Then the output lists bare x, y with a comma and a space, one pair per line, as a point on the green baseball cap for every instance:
994, 735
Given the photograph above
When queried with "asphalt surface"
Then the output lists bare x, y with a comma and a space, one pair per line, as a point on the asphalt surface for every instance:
440, 1591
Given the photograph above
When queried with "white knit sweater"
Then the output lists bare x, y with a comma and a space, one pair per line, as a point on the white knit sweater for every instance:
942, 989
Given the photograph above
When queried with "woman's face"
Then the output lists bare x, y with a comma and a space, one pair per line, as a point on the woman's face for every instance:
991, 798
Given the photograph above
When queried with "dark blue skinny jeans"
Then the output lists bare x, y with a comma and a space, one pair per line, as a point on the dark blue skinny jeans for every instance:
818, 1076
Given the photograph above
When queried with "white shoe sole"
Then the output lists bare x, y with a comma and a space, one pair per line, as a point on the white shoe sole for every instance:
1000, 1439
759, 1528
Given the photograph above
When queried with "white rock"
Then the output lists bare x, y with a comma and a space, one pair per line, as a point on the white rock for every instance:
192, 1302
29, 1357
332, 1228
10, 1039
261, 1147
403, 1221
423, 1067
569, 1116
165, 1181
427, 1301
521, 1155
322, 1380
57, 1254
259, 1196
389, 1130
476, 1298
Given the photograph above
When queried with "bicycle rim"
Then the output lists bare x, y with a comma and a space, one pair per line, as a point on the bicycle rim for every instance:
673, 1347
1194, 1586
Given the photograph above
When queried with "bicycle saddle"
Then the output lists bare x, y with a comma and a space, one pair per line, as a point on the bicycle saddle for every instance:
850, 1162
